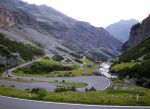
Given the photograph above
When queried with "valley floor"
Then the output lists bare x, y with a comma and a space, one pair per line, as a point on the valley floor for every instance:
119, 93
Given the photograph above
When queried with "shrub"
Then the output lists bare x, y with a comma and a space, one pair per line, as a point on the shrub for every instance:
57, 57
64, 89
41, 92
92, 89
12, 86
86, 89
77, 60
63, 81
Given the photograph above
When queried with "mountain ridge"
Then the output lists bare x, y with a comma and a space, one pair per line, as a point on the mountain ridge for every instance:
50, 28
121, 29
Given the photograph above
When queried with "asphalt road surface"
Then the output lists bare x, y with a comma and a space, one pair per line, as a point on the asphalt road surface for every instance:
13, 103
98, 82
49, 87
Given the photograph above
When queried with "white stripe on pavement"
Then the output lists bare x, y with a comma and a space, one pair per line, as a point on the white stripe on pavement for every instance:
86, 105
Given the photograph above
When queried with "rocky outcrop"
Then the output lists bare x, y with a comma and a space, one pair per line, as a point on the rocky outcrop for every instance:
4, 61
6, 19
10, 17
139, 32
8, 58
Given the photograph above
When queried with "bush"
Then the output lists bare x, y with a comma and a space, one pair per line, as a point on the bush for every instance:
63, 81
91, 89
77, 60
41, 92
64, 89
86, 89
57, 57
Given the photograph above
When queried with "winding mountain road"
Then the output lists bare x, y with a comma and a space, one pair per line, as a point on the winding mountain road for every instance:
99, 83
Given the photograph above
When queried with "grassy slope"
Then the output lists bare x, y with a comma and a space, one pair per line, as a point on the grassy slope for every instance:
135, 69
121, 66
77, 71
136, 52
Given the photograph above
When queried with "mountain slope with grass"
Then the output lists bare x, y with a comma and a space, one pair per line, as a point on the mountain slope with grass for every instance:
51, 29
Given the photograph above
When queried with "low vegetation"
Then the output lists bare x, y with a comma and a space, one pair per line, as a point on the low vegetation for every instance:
143, 49
111, 96
65, 88
71, 84
135, 63
44, 66
57, 57
26, 51
134, 70
123, 68
78, 61
49, 68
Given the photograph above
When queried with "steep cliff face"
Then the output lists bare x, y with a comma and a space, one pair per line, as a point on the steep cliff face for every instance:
14, 17
138, 33
6, 17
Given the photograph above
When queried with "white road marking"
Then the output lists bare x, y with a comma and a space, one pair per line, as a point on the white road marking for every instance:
70, 104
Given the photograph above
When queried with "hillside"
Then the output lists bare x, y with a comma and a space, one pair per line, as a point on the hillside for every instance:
141, 50
134, 63
139, 32
51, 29
121, 30
13, 53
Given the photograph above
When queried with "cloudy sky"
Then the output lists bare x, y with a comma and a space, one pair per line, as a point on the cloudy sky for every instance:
100, 13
